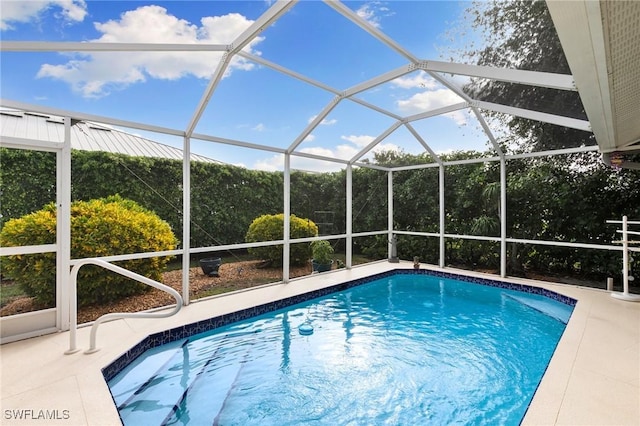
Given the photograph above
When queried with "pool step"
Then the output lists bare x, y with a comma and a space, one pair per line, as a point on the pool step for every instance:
208, 389
161, 386
554, 309
154, 400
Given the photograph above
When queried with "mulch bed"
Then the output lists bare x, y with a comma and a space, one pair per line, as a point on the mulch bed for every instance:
232, 276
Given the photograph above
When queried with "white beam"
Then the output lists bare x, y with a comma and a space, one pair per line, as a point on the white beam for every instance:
544, 117
319, 157
487, 131
563, 151
375, 108
531, 78
390, 241
235, 142
286, 231
376, 141
206, 96
22, 143
503, 217
259, 25
278, 9
441, 214
370, 166
353, 17
437, 111
88, 117
186, 220
458, 91
376, 81
426, 146
64, 292
315, 83
288, 72
417, 166
349, 217
314, 123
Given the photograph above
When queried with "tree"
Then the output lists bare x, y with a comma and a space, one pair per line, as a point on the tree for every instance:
520, 34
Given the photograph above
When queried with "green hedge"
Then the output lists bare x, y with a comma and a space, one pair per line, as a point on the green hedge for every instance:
101, 227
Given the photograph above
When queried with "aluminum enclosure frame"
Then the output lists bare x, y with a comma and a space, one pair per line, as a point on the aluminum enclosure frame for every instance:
436, 69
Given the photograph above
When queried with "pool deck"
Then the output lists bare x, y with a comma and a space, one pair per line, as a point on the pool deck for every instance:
593, 377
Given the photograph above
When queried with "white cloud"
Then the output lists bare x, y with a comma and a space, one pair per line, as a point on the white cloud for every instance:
324, 122
97, 74
418, 80
386, 147
430, 100
373, 12
271, 164
360, 141
344, 151
260, 127
30, 10
310, 137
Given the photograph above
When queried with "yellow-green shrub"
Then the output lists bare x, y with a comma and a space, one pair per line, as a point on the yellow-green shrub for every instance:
270, 227
101, 227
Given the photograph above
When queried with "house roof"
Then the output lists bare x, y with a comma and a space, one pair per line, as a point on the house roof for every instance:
601, 41
86, 136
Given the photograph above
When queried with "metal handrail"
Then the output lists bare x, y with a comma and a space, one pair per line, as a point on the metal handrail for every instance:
73, 296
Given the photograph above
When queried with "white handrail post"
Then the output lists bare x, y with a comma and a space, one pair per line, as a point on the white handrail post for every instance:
73, 310
119, 315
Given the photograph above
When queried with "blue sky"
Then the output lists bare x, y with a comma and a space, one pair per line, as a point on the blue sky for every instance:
252, 103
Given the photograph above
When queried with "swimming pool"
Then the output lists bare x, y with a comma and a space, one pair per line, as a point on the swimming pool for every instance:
404, 348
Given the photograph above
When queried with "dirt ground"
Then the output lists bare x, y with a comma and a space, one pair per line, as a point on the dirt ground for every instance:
232, 276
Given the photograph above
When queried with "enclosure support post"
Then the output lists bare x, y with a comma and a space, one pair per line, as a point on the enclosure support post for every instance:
390, 213
63, 229
186, 219
349, 218
503, 217
287, 218
441, 203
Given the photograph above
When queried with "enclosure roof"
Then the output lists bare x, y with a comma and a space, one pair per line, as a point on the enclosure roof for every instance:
606, 78
601, 40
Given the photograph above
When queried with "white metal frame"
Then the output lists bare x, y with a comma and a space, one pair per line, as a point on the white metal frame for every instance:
436, 69
45, 321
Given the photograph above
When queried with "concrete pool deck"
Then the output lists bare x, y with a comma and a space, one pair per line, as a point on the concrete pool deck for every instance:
592, 379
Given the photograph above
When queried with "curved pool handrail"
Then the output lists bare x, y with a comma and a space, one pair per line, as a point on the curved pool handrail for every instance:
116, 315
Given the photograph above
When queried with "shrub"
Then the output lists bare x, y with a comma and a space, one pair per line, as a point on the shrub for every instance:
101, 227
322, 252
270, 228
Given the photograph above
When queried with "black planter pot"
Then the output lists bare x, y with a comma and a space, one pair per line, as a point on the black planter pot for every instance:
321, 267
210, 266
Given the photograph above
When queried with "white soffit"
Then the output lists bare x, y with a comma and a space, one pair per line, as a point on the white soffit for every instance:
601, 40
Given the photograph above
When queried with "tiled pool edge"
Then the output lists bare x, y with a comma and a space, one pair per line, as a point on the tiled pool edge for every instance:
192, 329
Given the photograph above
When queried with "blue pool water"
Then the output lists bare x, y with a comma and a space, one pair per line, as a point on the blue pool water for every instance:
405, 349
